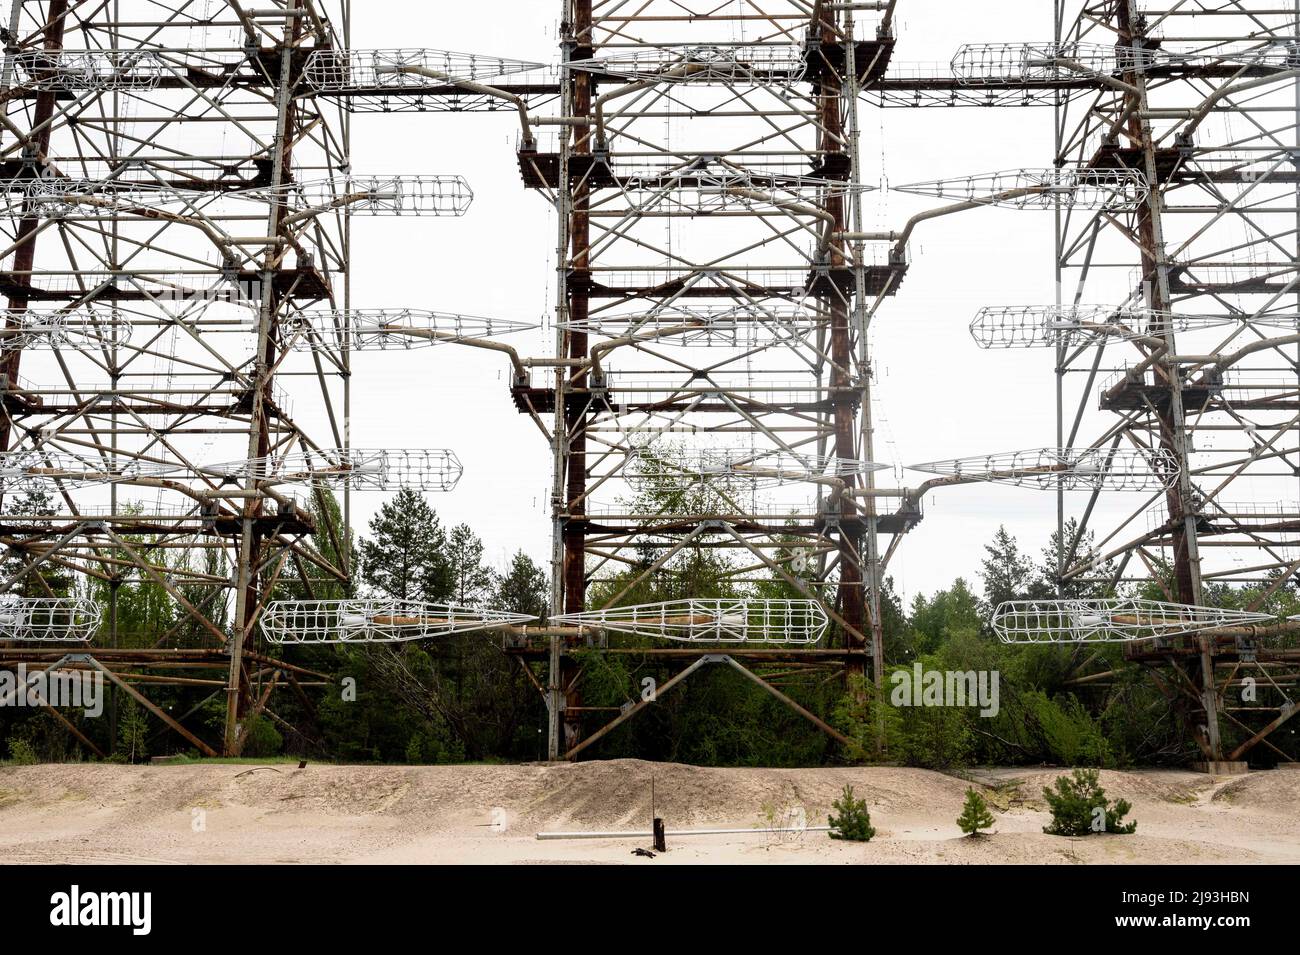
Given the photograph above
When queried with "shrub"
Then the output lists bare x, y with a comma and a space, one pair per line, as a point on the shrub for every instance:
1080, 808
975, 814
262, 739
21, 751
853, 821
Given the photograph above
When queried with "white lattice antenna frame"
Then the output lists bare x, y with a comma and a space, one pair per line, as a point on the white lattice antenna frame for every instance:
711, 620
376, 620
1110, 469
386, 469
378, 195
1049, 326
734, 466
342, 71
980, 64
977, 64
375, 195
30, 468
83, 327
741, 324
49, 619
1045, 326
382, 329
726, 64
708, 190
1110, 621
58, 196
1113, 189
76, 70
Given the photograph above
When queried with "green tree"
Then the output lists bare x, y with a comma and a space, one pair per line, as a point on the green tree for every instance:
132, 733
975, 814
1080, 808
471, 580
1007, 574
1076, 548
851, 820
523, 588
45, 580
406, 557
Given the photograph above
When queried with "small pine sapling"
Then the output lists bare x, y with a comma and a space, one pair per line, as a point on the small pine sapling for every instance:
1080, 808
851, 820
975, 814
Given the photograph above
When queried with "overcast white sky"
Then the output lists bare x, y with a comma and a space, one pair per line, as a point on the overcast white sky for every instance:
938, 396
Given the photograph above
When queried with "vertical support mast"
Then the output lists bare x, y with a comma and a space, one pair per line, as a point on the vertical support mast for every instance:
35, 150
570, 439
248, 589
843, 399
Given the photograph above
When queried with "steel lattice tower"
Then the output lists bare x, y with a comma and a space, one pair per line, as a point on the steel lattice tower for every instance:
160, 234
1202, 99
705, 173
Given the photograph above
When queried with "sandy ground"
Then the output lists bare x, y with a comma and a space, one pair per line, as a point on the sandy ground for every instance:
491, 814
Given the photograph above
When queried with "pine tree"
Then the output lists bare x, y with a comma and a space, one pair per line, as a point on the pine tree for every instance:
1007, 574
46, 580
852, 821
1080, 808
471, 581
523, 588
407, 557
975, 814
132, 733
1098, 583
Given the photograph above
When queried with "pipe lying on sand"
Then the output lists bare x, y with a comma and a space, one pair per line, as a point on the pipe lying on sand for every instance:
647, 834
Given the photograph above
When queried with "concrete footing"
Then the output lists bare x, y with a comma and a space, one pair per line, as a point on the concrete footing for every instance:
1221, 767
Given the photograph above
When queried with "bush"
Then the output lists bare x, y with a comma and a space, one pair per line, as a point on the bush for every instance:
1080, 808
262, 739
21, 751
853, 822
975, 814
1069, 732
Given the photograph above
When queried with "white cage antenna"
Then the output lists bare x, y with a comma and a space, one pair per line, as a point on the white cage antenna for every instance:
726, 64
383, 329
49, 619
1045, 326
370, 71
376, 620
384, 469
1110, 621
680, 469
1114, 189
76, 70
1112, 469
718, 620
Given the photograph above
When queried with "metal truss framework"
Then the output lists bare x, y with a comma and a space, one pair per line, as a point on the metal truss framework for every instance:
706, 170
1194, 354
170, 201
642, 129
1198, 355
703, 165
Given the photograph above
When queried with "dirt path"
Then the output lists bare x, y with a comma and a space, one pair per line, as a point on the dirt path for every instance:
488, 814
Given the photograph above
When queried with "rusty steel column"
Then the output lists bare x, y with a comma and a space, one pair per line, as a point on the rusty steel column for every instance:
29, 227
1171, 417
239, 691
851, 599
572, 409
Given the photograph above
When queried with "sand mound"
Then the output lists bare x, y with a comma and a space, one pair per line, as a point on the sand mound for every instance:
1143, 788
220, 812
1272, 792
